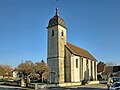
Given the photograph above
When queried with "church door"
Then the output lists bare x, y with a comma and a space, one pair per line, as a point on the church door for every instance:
52, 77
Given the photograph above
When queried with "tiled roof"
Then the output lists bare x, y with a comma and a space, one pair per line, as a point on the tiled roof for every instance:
79, 51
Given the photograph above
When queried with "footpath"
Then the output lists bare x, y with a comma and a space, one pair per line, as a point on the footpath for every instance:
14, 87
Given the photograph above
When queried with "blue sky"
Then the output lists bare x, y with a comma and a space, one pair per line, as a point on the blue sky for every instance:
92, 24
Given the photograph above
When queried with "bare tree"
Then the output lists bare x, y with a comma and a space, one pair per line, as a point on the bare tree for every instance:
26, 68
6, 70
42, 68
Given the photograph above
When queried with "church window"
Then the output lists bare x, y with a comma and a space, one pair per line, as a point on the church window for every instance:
52, 32
86, 62
82, 58
62, 33
76, 63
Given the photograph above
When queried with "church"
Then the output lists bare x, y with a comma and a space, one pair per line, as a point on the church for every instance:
68, 63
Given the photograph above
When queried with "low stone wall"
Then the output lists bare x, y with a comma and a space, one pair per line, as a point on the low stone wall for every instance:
97, 82
10, 83
69, 84
37, 86
93, 82
102, 82
31, 86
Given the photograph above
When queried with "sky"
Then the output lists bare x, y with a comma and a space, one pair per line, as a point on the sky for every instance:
93, 25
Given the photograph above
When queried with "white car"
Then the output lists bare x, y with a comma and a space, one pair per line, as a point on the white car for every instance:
115, 86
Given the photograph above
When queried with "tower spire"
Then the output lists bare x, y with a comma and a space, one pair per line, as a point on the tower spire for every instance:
56, 11
56, 7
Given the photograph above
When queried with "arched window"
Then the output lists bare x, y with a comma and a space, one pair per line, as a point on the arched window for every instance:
52, 32
62, 33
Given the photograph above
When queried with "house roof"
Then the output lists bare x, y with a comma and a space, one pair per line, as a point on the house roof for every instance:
117, 74
116, 68
112, 69
108, 69
100, 68
79, 51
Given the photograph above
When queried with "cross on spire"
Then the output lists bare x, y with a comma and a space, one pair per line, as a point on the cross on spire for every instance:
56, 11
56, 7
56, 3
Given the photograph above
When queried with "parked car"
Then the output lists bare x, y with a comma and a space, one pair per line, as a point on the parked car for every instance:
116, 79
115, 86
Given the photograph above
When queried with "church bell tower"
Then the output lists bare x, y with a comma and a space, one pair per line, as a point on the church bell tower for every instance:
56, 48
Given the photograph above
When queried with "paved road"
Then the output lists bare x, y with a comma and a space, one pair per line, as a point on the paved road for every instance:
82, 87
85, 87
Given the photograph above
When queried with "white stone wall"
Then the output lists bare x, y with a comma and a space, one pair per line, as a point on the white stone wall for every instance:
75, 71
93, 69
87, 70
84, 68
84, 72
96, 71
72, 68
89, 67
81, 69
